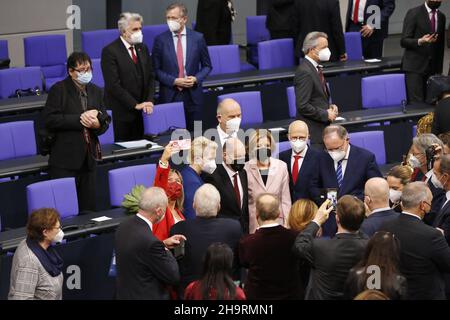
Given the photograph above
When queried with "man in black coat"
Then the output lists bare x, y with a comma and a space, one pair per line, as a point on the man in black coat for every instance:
281, 19
145, 268
129, 79
214, 18
332, 259
441, 118
230, 179
74, 112
323, 16
423, 39
424, 253
361, 18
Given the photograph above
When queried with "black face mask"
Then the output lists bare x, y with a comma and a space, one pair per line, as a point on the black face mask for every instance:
263, 154
237, 165
433, 5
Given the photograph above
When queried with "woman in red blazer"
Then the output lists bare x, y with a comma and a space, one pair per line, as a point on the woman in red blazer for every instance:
171, 181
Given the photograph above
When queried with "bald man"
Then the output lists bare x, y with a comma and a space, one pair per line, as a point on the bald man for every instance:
376, 199
301, 161
230, 179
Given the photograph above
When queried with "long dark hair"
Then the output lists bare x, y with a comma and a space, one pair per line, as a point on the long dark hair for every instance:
216, 274
383, 250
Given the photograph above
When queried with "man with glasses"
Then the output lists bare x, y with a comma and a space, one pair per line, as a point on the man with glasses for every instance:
344, 167
301, 160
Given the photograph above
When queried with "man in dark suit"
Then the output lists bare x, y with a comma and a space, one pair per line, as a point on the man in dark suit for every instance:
129, 79
344, 167
230, 179
302, 161
181, 61
442, 176
332, 259
424, 253
311, 91
361, 18
75, 114
423, 38
273, 270
202, 231
376, 199
281, 19
323, 16
214, 18
144, 265
441, 118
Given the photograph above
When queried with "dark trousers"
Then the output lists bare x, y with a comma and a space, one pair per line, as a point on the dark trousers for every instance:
416, 84
128, 130
372, 47
85, 179
192, 111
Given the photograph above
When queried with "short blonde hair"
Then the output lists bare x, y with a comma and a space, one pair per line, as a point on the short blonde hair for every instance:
257, 135
199, 147
302, 213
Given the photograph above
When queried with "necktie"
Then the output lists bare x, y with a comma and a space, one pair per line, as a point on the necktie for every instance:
236, 189
339, 175
180, 57
295, 169
356, 12
433, 21
322, 81
133, 55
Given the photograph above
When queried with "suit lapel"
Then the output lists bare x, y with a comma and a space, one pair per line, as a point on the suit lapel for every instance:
127, 56
228, 184
304, 167
188, 48
172, 49
351, 163
256, 174
141, 57
316, 77
442, 213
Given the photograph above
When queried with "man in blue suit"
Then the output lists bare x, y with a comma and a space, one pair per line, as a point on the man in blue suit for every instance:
344, 167
301, 160
181, 62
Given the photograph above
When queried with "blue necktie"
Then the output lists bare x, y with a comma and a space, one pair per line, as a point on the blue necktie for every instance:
339, 175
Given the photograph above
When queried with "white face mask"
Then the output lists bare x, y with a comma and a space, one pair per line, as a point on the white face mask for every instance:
233, 125
337, 155
136, 37
209, 166
59, 236
414, 162
435, 181
395, 195
298, 145
324, 54
174, 26
85, 77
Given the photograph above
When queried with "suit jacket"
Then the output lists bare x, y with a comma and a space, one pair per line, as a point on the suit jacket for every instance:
441, 119
374, 222
61, 116
330, 260
191, 182
197, 64
277, 184
311, 101
443, 221
301, 190
424, 257
144, 267
228, 203
125, 84
281, 16
200, 233
324, 16
438, 201
272, 267
387, 7
428, 58
214, 21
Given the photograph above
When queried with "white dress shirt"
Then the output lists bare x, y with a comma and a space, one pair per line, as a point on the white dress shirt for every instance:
146, 221
128, 46
231, 174
430, 15
412, 215
300, 161
223, 136
362, 6
183, 44
314, 63
344, 162
270, 225
380, 210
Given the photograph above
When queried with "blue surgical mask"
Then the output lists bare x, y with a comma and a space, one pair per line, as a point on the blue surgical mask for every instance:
85, 77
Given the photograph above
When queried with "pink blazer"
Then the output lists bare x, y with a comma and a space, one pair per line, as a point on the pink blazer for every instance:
277, 184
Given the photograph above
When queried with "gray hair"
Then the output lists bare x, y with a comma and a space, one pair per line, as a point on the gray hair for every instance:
413, 194
152, 199
312, 40
207, 201
334, 128
180, 5
126, 18
424, 141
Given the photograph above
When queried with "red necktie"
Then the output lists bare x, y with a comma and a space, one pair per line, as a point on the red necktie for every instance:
295, 169
133, 55
180, 57
433, 21
236, 189
356, 12
322, 80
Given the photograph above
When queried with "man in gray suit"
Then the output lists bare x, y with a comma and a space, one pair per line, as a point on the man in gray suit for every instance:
311, 91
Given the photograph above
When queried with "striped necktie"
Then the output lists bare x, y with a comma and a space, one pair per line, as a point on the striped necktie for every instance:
339, 175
